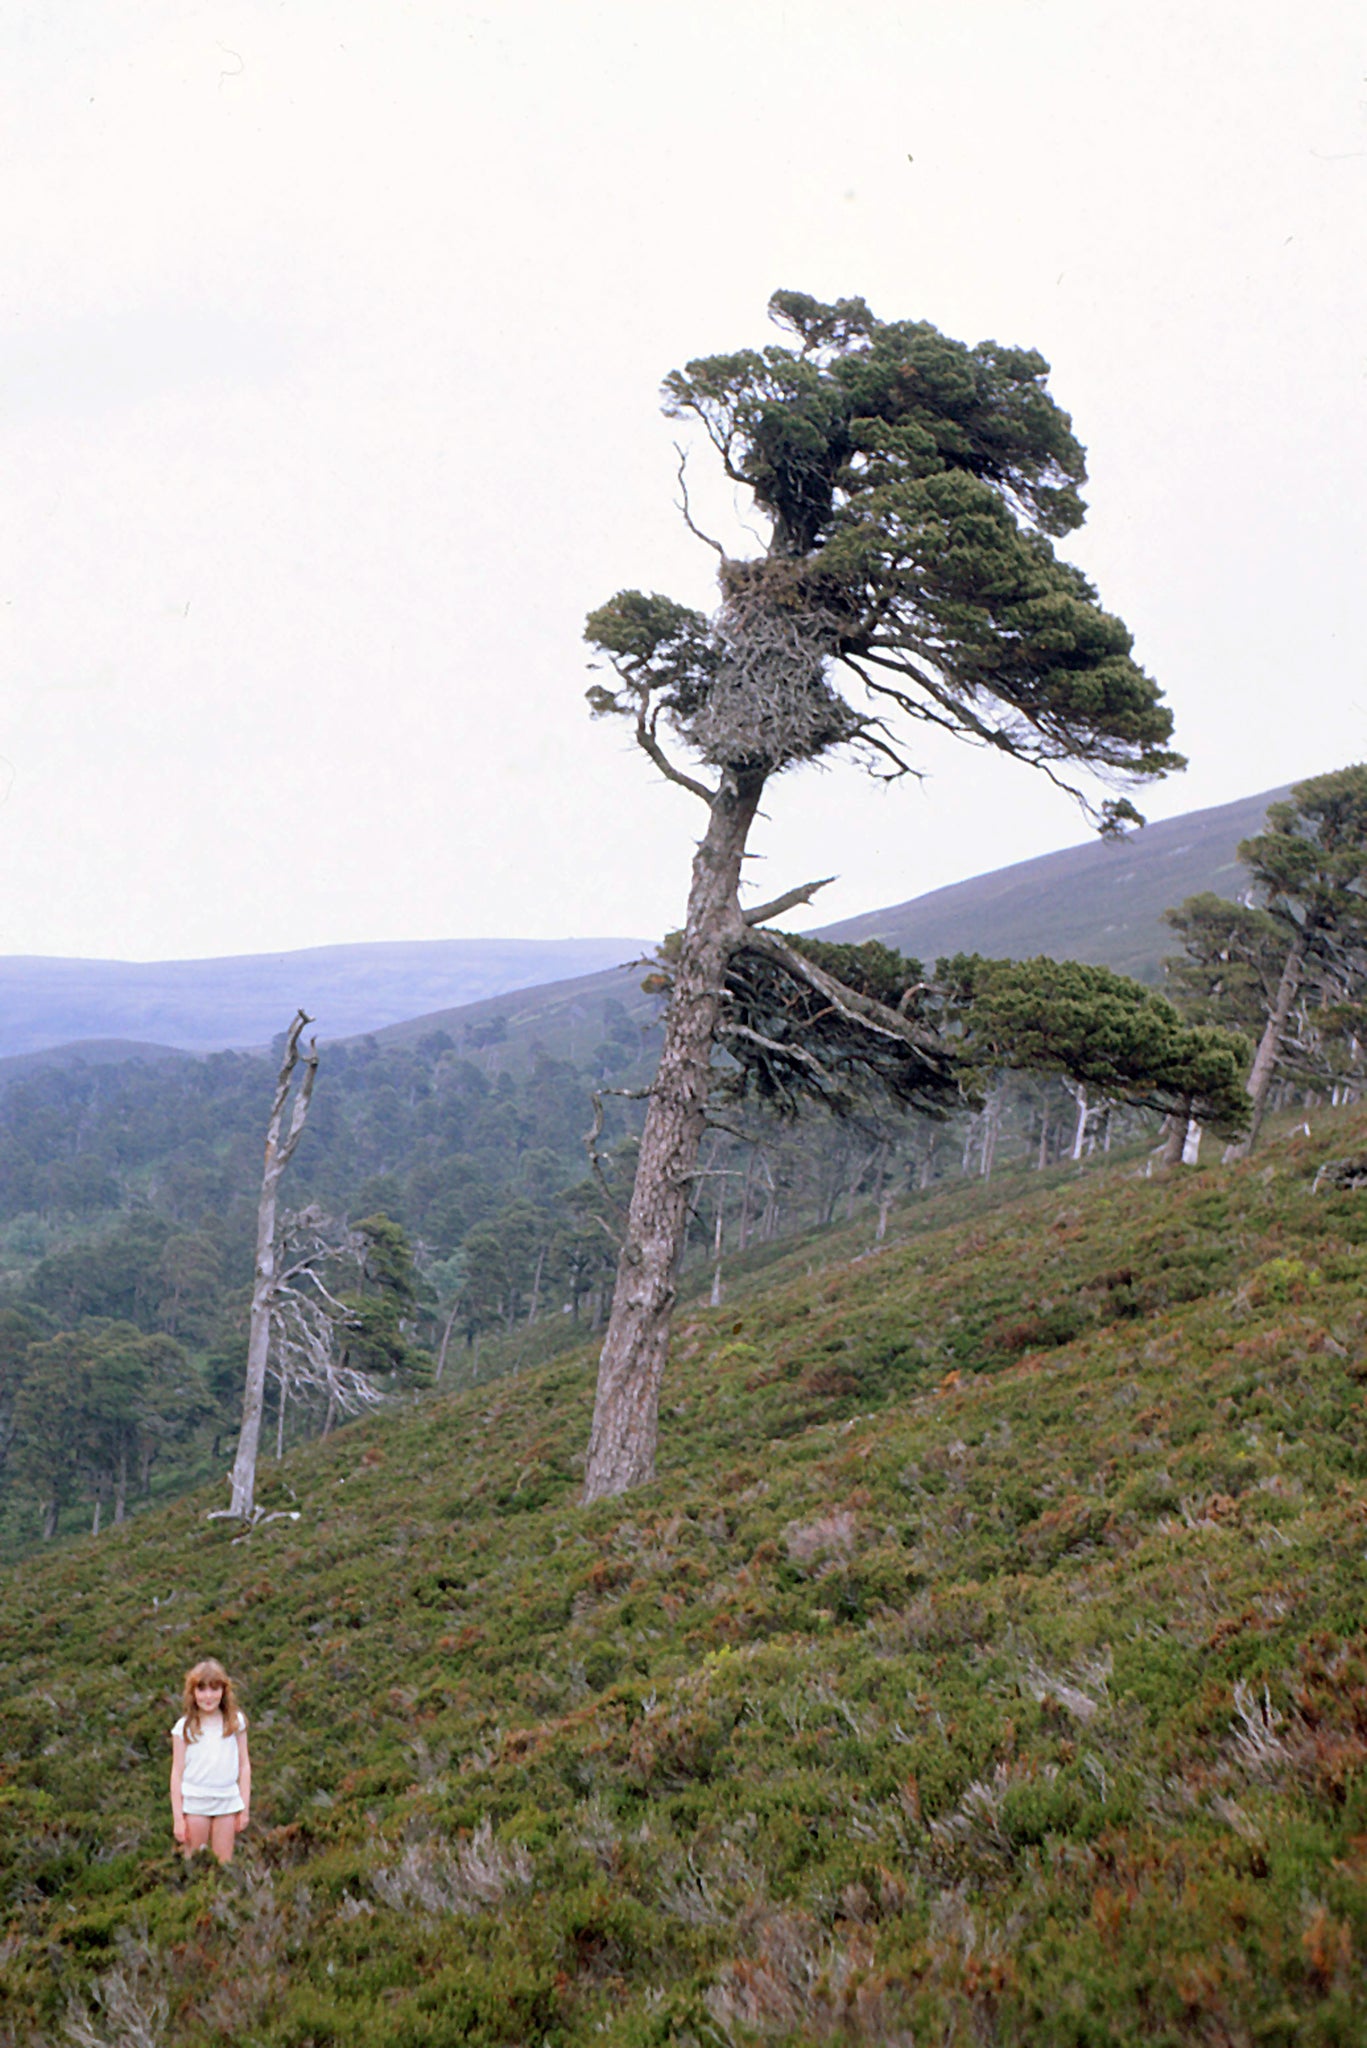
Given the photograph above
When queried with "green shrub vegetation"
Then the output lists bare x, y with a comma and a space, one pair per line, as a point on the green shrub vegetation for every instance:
987, 1665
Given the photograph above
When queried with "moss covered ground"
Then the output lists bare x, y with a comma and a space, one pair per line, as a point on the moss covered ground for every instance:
988, 1664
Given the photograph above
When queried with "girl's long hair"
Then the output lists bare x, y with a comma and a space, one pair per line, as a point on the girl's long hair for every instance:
209, 1672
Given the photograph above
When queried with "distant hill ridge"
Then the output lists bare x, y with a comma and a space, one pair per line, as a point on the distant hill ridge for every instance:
1100, 901
211, 1005
1103, 901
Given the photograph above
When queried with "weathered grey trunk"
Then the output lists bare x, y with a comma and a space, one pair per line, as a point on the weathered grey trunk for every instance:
743, 1232
536, 1286
626, 1412
121, 1488
1042, 1157
1078, 1091
1176, 1134
991, 1128
715, 1297
278, 1155
1270, 1044
446, 1339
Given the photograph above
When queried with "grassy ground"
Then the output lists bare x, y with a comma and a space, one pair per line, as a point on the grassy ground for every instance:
988, 1664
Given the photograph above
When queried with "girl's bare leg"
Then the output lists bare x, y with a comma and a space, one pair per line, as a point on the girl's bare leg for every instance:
223, 1834
196, 1832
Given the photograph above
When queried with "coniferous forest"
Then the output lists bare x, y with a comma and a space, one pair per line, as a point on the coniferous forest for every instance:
480, 1237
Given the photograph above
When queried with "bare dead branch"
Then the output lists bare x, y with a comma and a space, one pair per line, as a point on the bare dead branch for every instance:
864, 1011
685, 508
301, 1104
762, 912
650, 746
798, 1054
595, 1157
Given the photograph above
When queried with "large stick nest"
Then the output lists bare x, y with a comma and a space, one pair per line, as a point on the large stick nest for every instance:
769, 702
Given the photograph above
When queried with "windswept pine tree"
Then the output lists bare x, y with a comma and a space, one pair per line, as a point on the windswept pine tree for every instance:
912, 489
1310, 870
1110, 1039
1230, 964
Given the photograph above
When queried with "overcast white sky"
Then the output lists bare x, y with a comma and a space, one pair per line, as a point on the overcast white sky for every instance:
331, 340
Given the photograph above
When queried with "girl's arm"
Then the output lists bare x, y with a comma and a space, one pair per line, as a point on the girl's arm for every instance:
244, 1780
177, 1773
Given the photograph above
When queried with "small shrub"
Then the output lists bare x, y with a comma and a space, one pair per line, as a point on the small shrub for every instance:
430, 1878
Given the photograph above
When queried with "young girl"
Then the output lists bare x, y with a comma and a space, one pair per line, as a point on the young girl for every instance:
211, 1773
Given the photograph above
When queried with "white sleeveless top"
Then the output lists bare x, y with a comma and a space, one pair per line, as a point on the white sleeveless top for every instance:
211, 1759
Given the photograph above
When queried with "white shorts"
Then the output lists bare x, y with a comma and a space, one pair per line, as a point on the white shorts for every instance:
209, 1805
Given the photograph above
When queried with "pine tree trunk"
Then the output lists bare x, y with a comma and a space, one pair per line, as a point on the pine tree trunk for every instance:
626, 1412
536, 1285
121, 1488
1175, 1137
743, 1237
243, 1480
278, 1155
715, 1298
445, 1344
1270, 1045
991, 1125
1079, 1095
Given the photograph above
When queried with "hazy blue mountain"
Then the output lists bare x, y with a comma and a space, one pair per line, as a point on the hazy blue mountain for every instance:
208, 1005
1099, 901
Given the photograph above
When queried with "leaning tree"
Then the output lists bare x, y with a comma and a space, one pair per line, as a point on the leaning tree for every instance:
911, 488
1310, 871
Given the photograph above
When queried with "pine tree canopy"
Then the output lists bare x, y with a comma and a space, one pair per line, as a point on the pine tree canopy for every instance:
913, 487
1311, 864
1231, 962
1097, 1028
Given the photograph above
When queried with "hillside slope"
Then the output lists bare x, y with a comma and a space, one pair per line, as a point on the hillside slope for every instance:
988, 1664
1103, 901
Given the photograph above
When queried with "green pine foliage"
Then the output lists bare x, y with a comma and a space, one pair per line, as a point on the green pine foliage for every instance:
915, 486
1100, 1029
987, 1664
1231, 962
